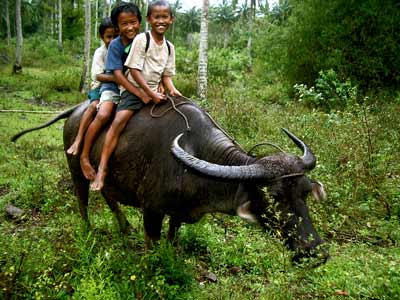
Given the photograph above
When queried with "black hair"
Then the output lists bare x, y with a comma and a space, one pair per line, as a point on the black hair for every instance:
104, 25
124, 7
158, 3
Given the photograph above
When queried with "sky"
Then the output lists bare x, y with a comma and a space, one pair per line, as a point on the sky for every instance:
188, 4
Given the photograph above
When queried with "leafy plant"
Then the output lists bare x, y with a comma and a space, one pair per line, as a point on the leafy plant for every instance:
329, 92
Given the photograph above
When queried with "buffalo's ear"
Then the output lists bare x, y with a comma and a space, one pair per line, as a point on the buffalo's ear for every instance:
244, 212
318, 190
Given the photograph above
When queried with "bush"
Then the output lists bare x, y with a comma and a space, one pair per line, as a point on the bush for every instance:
329, 92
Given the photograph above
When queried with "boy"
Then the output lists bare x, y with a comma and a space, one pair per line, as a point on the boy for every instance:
126, 18
107, 33
148, 67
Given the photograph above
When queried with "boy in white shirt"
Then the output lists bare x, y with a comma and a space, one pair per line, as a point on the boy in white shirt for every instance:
151, 60
107, 33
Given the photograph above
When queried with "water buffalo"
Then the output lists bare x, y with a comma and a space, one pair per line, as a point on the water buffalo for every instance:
165, 169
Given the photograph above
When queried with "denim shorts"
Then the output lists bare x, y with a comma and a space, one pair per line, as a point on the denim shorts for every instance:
94, 95
130, 102
109, 96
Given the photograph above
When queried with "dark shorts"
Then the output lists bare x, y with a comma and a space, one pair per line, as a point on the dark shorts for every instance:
130, 102
94, 95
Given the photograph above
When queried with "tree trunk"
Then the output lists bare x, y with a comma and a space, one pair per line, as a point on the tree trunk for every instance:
7, 12
226, 36
203, 45
52, 23
96, 12
105, 9
18, 51
86, 57
60, 45
249, 38
147, 7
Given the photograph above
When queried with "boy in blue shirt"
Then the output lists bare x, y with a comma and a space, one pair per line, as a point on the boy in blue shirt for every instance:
126, 18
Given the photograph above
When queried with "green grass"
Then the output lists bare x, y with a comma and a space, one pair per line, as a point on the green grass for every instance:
48, 255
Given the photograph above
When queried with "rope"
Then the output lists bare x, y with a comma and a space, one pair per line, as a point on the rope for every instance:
219, 127
189, 101
174, 107
265, 143
30, 111
286, 176
261, 144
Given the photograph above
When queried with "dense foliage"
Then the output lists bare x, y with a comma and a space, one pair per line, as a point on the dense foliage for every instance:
358, 39
292, 42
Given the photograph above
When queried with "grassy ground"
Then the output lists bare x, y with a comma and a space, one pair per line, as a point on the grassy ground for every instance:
46, 254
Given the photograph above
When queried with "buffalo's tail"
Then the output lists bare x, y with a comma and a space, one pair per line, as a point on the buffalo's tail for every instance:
63, 115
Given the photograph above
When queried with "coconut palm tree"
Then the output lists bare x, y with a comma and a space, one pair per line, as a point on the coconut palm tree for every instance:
60, 45
177, 5
225, 15
7, 17
18, 50
190, 20
96, 17
86, 51
281, 11
203, 45
105, 8
252, 14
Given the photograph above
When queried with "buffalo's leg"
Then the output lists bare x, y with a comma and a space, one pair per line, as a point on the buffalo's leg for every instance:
81, 190
174, 225
152, 227
123, 223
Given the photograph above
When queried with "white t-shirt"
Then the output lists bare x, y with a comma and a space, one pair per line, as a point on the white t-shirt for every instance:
153, 64
99, 59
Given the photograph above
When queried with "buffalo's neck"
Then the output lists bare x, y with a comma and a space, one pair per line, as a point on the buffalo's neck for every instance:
224, 151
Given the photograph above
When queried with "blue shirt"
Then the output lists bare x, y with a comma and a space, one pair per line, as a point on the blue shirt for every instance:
116, 56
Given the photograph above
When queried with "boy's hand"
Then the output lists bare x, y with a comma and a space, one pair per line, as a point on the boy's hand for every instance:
158, 97
175, 92
145, 98
161, 88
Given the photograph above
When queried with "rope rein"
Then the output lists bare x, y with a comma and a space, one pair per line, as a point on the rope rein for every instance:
172, 107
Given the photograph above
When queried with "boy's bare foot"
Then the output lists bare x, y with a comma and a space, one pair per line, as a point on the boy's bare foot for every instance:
87, 169
98, 182
74, 149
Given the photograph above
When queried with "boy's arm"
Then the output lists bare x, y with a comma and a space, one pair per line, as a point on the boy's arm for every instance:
105, 77
169, 72
97, 64
137, 76
169, 85
120, 79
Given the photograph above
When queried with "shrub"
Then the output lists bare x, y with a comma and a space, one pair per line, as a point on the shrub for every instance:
329, 92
